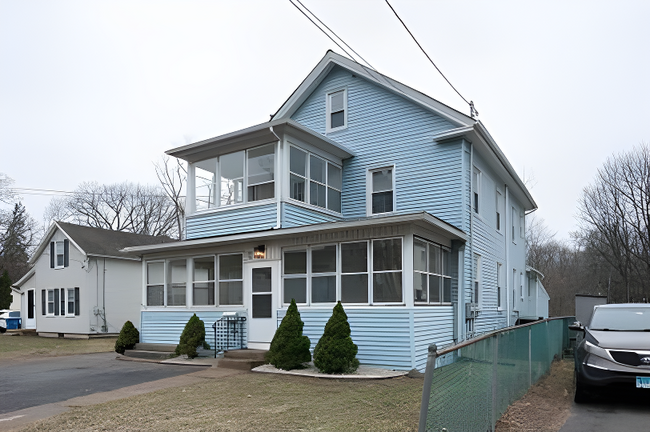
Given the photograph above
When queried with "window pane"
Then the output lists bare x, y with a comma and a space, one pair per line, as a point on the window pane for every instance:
204, 269
337, 119
262, 280
317, 194
323, 259
59, 260
71, 301
260, 192
382, 180
387, 254
434, 289
435, 264
261, 164
446, 255
177, 272
419, 255
323, 289
336, 101
317, 169
354, 288
334, 177
382, 202
420, 287
446, 290
176, 295
155, 295
298, 161
334, 200
295, 262
232, 178
230, 267
155, 273
387, 287
203, 293
297, 186
230, 293
295, 289
205, 182
262, 306
354, 257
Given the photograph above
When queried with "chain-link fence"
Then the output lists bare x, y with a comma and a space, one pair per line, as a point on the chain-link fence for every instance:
472, 384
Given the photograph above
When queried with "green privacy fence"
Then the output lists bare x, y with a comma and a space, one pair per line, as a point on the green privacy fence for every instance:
472, 384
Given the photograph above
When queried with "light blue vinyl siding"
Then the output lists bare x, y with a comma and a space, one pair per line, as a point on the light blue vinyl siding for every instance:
385, 129
295, 215
234, 221
165, 327
383, 335
431, 325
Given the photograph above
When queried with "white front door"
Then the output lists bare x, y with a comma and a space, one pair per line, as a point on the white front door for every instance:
30, 320
262, 294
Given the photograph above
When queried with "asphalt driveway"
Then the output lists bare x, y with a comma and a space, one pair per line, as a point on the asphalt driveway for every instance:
615, 410
36, 382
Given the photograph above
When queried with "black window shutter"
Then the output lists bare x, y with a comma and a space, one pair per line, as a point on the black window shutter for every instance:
51, 254
43, 294
76, 301
56, 302
66, 253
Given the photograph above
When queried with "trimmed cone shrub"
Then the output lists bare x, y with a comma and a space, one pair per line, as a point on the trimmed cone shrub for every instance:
129, 336
193, 336
289, 348
335, 352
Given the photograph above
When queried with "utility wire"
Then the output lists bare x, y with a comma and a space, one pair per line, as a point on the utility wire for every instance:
470, 103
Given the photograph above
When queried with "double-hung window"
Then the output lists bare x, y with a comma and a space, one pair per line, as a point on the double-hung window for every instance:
176, 282
59, 254
337, 117
381, 191
477, 278
476, 190
500, 209
314, 180
354, 272
323, 271
61, 302
203, 281
231, 279
387, 270
499, 283
432, 277
156, 283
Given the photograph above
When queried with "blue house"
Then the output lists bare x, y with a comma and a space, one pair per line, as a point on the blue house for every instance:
359, 189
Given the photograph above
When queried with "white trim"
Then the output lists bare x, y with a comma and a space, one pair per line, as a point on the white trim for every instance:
369, 189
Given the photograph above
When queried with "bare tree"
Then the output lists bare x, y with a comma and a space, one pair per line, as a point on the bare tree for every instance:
119, 207
614, 214
7, 194
173, 177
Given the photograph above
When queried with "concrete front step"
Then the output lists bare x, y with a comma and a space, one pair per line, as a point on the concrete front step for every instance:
239, 364
168, 348
149, 355
247, 354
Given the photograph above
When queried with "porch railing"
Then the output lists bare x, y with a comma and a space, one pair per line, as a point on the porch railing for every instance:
230, 332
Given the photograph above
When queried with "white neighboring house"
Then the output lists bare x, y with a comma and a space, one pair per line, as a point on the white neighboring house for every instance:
80, 284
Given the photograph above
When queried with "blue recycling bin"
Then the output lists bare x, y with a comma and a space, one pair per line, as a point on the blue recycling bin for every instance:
14, 323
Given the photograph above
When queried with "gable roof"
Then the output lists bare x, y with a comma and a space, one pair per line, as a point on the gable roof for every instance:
471, 129
99, 242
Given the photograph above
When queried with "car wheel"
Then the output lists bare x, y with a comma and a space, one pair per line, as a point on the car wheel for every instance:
581, 396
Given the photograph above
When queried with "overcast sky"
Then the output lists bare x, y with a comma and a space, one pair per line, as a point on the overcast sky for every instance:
98, 90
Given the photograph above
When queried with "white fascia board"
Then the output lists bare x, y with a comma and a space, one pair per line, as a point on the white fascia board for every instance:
115, 257
24, 279
331, 58
423, 217
452, 133
534, 270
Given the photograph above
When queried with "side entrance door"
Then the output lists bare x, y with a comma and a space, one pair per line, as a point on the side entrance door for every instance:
262, 294
30, 319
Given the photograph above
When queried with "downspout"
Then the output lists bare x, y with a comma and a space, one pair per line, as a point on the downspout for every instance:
278, 217
471, 235
105, 326
508, 229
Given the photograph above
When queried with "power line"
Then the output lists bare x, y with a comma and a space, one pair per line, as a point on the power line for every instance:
473, 111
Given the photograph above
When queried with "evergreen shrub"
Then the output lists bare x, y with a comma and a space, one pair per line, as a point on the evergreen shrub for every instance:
129, 336
289, 348
193, 336
335, 352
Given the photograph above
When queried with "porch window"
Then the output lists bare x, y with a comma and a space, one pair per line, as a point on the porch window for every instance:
231, 279
203, 282
431, 273
324, 180
156, 284
295, 276
205, 180
354, 272
176, 283
323, 270
261, 173
232, 178
387, 270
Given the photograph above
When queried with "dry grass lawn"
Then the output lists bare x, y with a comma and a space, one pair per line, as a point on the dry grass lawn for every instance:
17, 347
256, 402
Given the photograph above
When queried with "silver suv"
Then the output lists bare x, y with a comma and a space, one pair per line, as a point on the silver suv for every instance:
615, 349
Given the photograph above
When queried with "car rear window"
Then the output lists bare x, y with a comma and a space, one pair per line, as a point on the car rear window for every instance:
621, 319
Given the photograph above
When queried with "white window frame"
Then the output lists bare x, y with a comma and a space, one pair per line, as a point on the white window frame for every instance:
499, 286
478, 287
476, 191
68, 313
57, 254
371, 264
48, 302
307, 179
214, 281
522, 226
368, 273
499, 211
514, 226
429, 272
147, 284
369, 191
217, 276
328, 104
